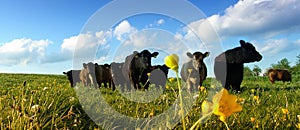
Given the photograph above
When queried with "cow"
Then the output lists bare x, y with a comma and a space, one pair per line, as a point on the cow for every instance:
159, 75
73, 76
87, 75
119, 76
229, 65
137, 65
104, 75
279, 75
194, 72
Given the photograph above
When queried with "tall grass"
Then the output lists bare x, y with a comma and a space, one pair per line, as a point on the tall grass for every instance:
48, 102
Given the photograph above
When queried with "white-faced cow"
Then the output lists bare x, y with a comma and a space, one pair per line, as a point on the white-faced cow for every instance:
137, 66
104, 75
194, 71
229, 65
73, 76
87, 74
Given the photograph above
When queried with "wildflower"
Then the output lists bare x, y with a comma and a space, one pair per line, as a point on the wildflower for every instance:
252, 119
285, 111
171, 79
167, 86
252, 90
151, 113
225, 104
172, 62
202, 89
148, 74
298, 125
298, 116
255, 98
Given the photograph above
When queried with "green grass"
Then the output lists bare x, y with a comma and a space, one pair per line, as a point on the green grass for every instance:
48, 102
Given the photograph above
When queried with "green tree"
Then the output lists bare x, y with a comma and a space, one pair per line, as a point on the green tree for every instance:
247, 71
256, 70
282, 64
298, 60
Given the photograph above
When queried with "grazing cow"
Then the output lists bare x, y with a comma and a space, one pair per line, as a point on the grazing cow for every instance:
87, 74
137, 66
73, 76
279, 75
119, 78
103, 75
194, 71
159, 75
229, 65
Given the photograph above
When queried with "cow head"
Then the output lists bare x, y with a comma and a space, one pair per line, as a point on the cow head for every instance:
144, 58
90, 67
197, 59
249, 52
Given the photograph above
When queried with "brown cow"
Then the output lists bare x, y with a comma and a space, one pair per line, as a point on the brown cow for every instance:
104, 75
279, 75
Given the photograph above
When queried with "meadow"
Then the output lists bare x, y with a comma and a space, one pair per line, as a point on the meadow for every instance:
48, 102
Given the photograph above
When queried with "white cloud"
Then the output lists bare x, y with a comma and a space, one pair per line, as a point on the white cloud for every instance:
123, 29
277, 46
160, 22
23, 51
264, 18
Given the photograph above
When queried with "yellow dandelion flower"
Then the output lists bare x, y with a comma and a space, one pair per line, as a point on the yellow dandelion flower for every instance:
298, 116
225, 104
252, 119
298, 125
148, 74
167, 86
285, 111
202, 89
255, 98
171, 61
171, 79
252, 90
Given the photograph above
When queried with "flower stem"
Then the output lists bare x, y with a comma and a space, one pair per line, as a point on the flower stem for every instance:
181, 102
200, 120
226, 125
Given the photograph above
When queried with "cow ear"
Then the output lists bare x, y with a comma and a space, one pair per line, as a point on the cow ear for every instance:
84, 65
154, 54
206, 54
189, 54
243, 43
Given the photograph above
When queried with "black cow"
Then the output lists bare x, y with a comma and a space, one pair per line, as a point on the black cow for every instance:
159, 75
194, 72
137, 66
87, 74
73, 76
229, 65
104, 75
120, 76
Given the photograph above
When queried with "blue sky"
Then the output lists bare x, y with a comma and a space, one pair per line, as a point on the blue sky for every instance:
44, 36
